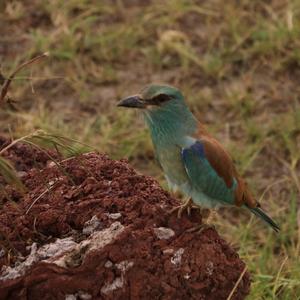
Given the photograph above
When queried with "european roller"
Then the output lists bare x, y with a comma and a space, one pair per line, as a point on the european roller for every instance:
192, 160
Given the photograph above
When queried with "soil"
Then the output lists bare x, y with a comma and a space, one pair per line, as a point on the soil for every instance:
93, 228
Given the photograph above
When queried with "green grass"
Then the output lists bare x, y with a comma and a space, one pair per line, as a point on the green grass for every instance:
236, 62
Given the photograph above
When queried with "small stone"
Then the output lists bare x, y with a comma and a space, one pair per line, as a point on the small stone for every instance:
108, 264
84, 296
115, 216
209, 268
163, 233
176, 258
21, 174
51, 164
168, 251
50, 183
2, 252
71, 297
92, 225
124, 265
110, 287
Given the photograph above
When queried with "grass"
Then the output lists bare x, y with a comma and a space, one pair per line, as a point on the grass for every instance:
237, 64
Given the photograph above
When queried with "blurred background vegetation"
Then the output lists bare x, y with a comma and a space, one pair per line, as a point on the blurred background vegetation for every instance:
237, 63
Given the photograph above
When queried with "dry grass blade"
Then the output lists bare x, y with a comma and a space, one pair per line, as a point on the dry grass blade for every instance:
237, 284
68, 145
40, 140
290, 168
23, 138
7, 82
48, 189
9, 173
275, 288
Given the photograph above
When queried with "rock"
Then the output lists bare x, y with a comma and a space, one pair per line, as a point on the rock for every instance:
114, 239
91, 225
176, 258
164, 233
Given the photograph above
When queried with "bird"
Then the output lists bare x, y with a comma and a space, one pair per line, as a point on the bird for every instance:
193, 161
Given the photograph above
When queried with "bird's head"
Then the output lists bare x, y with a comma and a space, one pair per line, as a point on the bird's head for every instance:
164, 109
154, 98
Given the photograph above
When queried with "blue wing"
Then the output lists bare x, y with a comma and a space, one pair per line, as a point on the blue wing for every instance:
202, 175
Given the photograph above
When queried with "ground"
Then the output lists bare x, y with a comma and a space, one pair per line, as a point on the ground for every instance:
237, 64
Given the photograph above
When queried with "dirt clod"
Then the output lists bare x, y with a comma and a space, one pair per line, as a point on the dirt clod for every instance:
120, 240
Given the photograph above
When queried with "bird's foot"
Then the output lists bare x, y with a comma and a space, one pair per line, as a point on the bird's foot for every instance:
187, 205
201, 227
207, 217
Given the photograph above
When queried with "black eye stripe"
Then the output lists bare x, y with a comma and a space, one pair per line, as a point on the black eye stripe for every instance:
158, 99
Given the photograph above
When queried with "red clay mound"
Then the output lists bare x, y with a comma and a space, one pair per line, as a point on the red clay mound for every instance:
95, 229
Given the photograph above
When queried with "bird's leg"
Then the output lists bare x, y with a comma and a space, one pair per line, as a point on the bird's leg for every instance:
207, 218
207, 215
186, 205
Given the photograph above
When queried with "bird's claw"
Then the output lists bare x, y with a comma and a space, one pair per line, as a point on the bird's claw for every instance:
180, 209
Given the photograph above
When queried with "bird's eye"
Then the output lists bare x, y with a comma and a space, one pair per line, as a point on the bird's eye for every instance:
158, 99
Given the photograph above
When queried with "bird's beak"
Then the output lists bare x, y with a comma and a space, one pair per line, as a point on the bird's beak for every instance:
135, 101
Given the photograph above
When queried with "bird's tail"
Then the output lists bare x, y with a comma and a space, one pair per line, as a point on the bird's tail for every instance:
261, 214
